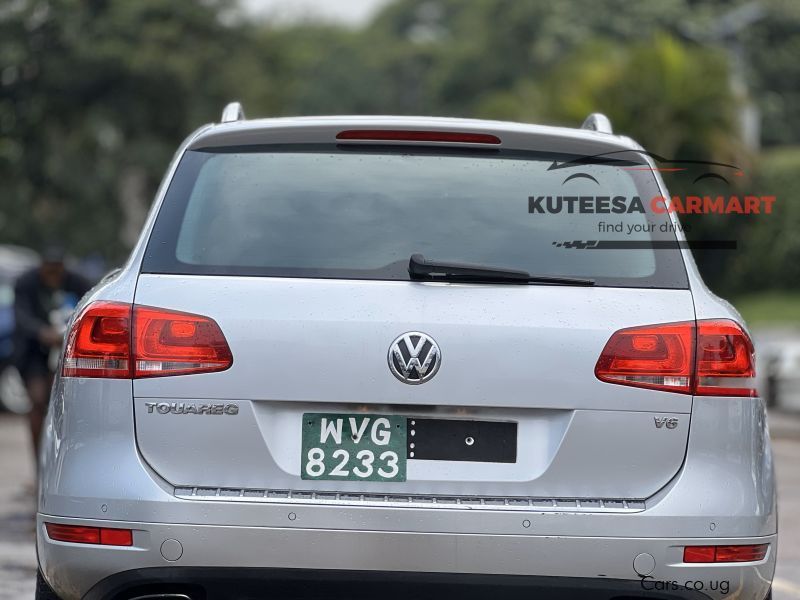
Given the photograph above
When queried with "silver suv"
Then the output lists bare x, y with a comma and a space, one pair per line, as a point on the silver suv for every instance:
367, 356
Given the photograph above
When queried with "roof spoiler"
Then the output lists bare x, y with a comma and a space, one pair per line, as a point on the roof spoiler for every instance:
598, 122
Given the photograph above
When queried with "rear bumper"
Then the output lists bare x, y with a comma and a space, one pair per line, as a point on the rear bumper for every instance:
262, 556
93, 474
214, 584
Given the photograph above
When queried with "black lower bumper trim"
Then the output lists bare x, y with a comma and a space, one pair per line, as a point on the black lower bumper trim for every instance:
199, 583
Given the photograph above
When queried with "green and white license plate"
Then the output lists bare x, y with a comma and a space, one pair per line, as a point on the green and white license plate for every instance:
349, 447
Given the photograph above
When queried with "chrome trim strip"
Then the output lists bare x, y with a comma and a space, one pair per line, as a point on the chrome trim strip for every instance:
561, 505
164, 596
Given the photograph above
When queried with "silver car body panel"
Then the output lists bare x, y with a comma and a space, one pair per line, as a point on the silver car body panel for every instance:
332, 549
723, 493
541, 350
107, 460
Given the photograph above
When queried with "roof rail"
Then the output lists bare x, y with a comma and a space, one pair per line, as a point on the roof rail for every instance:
598, 122
232, 112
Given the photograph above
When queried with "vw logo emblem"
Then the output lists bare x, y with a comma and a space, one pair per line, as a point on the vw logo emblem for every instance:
414, 357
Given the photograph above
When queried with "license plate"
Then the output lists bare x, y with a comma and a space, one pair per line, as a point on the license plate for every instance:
349, 447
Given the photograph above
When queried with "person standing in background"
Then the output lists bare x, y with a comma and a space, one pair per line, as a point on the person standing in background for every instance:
44, 299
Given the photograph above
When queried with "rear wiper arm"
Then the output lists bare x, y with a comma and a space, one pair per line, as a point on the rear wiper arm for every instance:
421, 268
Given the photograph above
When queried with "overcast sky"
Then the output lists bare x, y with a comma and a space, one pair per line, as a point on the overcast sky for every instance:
352, 12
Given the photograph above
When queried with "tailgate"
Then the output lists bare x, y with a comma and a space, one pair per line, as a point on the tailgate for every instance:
508, 354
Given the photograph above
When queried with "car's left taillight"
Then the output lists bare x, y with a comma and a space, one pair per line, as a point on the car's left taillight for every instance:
99, 342
167, 342
119, 341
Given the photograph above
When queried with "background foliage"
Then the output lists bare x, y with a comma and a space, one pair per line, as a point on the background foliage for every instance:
95, 95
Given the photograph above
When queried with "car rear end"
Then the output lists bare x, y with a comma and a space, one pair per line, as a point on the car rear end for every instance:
266, 401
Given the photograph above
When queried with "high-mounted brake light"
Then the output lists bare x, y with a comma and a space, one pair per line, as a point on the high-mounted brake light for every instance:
706, 358
78, 534
417, 136
723, 554
117, 340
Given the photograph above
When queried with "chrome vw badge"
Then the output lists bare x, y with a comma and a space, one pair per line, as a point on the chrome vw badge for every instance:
414, 357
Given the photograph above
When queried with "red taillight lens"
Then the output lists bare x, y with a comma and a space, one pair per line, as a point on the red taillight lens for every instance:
417, 136
658, 357
115, 340
73, 533
725, 360
173, 343
98, 344
749, 553
78, 534
116, 537
723, 554
706, 358
699, 554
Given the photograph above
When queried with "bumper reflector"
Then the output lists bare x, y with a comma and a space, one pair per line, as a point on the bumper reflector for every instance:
78, 534
724, 554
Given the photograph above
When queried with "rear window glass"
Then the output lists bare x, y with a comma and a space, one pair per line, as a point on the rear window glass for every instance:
360, 212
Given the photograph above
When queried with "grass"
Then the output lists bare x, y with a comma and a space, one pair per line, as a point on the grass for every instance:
770, 308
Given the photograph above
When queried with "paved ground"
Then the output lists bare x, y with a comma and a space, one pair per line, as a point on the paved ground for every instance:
786, 447
17, 554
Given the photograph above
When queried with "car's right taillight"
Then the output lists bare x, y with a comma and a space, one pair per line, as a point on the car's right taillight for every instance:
706, 358
659, 357
119, 341
725, 360
725, 554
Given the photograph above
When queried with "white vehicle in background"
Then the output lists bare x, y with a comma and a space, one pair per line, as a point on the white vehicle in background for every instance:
782, 377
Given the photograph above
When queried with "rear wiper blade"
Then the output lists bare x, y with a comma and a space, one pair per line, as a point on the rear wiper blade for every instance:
421, 268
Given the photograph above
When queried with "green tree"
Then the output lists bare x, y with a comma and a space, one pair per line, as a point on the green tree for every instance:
769, 256
674, 100
95, 97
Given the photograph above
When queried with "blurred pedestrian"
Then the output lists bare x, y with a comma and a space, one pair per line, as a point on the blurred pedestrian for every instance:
44, 299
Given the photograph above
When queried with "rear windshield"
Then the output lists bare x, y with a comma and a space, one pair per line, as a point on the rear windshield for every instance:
360, 212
